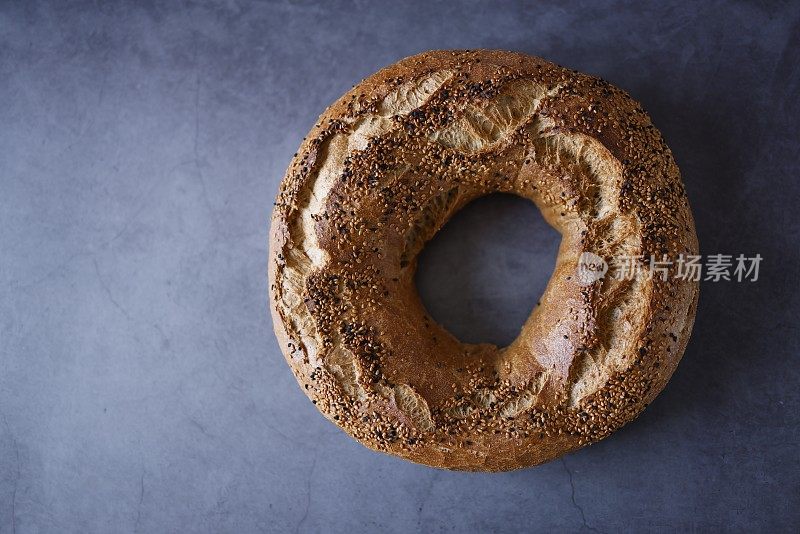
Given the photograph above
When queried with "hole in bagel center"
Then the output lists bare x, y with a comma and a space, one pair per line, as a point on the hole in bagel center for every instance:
483, 273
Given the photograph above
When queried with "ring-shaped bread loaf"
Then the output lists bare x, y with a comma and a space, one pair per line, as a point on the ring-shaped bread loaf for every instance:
384, 169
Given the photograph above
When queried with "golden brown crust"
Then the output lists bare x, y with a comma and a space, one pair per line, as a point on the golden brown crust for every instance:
383, 170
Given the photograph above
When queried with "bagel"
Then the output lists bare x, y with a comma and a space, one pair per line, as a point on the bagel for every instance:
385, 167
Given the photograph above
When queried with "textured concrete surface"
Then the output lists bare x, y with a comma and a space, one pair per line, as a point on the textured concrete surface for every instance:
141, 387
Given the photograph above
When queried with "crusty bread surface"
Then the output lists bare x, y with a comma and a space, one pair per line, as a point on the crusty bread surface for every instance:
386, 166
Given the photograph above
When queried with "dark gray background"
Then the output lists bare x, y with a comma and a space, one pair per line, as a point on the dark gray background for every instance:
141, 387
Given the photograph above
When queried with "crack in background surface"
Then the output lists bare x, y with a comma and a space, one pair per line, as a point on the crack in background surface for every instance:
578, 507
